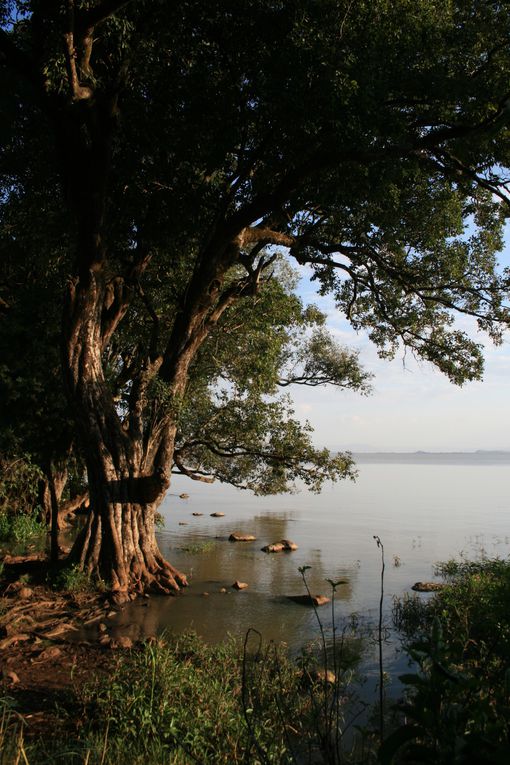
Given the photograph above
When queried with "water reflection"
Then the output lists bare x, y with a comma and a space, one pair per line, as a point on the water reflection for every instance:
212, 607
423, 513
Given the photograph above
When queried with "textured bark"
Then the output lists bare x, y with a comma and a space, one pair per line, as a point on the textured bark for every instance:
70, 506
118, 542
118, 545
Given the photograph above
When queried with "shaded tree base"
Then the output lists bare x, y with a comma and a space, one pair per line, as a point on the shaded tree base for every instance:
120, 550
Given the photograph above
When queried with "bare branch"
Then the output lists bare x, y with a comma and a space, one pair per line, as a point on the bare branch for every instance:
195, 475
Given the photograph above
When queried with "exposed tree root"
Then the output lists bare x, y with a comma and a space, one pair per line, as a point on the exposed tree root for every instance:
120, 548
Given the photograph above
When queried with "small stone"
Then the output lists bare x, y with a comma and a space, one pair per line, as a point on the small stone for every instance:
125, 642
197, 514
184, 495
50, 653
217, 515
427, 586
12, 676
205, 594
223, 590
102, 627
283, 544
325, 676
236, 536
274, 548
239, 585
309, 600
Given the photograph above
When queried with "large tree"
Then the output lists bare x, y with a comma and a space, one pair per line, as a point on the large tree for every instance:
177, 143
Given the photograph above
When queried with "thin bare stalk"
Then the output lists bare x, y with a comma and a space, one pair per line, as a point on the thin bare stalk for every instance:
380, 642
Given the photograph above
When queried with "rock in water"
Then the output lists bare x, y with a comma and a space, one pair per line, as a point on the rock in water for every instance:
427, 586
282, 545
217, 515
184, 495
239, 585
236, 536
309, 600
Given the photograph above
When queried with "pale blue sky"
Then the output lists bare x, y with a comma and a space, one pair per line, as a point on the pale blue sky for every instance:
413, 406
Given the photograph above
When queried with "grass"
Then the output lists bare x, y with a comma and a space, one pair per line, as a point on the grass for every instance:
72, 579
180, 703
196, 548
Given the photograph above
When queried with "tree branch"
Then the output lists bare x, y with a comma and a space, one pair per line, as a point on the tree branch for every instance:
98, 13
195, 475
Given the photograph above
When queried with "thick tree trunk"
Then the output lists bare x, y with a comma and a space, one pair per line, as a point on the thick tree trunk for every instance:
126, 484
118, 545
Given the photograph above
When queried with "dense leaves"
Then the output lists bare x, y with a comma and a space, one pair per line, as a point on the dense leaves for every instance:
159, 155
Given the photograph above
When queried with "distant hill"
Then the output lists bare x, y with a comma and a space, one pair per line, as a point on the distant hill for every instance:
479, 457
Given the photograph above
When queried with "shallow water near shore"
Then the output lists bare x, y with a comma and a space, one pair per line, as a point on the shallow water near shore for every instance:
423, 509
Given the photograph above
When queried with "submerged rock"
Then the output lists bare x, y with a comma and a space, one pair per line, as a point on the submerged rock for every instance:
196, 514
236, 536
183, 495
309, 600
281, 546
217, 515
427, 586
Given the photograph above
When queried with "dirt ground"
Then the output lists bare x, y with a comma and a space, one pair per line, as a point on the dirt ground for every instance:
42, 659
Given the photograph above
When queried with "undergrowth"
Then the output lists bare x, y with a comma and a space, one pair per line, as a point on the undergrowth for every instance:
185, 702
458, 704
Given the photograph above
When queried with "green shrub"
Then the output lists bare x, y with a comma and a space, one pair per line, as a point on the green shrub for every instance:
71, 579
19, 479
458, 704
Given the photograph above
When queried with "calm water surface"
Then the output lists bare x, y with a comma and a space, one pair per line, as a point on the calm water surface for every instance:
424, 509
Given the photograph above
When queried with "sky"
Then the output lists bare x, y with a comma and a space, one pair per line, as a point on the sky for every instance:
413, 406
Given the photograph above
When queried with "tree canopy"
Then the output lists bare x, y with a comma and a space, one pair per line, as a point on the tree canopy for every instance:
163, 153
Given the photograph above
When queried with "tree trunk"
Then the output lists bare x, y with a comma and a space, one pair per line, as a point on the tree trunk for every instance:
70, 506
126, 484
119, 546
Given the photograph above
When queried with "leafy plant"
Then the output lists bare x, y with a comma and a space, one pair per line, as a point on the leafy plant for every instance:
71, 579
458, 703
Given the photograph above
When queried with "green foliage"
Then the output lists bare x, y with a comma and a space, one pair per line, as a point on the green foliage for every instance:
18, 484
197, 548
19, 528
368, 139
72, 579
458, 704
19, 479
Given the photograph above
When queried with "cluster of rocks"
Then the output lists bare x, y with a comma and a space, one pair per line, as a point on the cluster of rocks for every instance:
282, 545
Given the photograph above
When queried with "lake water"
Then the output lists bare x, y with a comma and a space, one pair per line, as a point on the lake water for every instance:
425, 508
